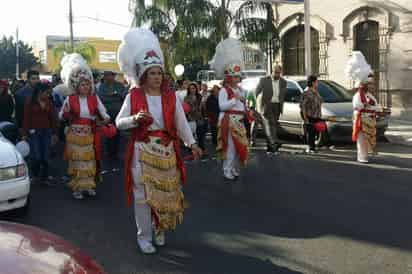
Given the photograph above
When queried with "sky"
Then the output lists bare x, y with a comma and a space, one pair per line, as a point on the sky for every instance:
38, 18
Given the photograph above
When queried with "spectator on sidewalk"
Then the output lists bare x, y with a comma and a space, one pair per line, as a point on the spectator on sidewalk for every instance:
6, 102
311, 109
22, 94
195, 116
40, 128
212, 110
272, 90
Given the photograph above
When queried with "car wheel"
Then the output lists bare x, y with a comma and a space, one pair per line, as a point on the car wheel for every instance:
322, 139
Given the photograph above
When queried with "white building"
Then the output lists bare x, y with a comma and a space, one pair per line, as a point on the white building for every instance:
381, 29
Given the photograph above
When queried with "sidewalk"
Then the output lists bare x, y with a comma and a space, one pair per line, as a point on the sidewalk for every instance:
399, 132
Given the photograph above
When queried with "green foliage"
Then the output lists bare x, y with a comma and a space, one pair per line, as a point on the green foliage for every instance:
256, 23
185, 26
8, 57
192, 28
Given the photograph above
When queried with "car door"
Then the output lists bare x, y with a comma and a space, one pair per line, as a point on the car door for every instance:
290, 120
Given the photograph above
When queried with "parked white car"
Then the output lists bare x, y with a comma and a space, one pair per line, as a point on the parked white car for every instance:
14, 177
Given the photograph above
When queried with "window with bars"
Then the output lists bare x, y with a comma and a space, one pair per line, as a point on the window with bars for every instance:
293, 51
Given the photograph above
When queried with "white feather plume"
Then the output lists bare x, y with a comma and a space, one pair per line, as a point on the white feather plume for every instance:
228, 52
135, 44
357, 69
74, 65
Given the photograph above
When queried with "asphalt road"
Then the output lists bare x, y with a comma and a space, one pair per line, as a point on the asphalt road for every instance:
290, 213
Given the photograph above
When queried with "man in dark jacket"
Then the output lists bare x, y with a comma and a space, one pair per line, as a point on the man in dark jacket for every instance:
270, 94
212, 109
112, 94
22, 94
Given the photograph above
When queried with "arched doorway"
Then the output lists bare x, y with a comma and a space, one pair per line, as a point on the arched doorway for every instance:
366, 40
293, 51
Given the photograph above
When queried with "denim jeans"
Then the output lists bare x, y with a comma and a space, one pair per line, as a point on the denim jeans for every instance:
40, 141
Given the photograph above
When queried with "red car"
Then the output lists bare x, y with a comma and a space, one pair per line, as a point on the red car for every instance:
26, 250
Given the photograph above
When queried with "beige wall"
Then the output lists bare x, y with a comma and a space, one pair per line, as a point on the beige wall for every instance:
328, 17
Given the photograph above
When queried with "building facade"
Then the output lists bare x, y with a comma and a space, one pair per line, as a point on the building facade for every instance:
381, 29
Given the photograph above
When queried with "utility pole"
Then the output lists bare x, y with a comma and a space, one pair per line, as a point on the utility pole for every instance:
71, 26
17, 54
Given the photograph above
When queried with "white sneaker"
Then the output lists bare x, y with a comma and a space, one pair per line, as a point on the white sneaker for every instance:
228, 177
363, 161
160, 238
235, 173
146, 247
91, 192
78, 195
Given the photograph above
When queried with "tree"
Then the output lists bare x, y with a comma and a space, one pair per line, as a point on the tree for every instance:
86, 50
8, 57
193, 28
256, 22
184, 26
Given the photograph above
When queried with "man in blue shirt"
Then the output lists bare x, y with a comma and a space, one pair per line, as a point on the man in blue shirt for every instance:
22, 94
112, 94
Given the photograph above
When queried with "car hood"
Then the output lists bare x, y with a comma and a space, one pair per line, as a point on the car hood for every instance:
9, 156
344, 109
26, 249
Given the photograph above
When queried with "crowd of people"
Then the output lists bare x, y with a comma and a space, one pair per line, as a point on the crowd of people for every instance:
82, 111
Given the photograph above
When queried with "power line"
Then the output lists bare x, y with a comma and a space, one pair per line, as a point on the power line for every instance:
103, 21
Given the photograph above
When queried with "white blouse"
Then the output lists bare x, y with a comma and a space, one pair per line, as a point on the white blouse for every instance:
124, 120
358, 105
233, 104
84, 109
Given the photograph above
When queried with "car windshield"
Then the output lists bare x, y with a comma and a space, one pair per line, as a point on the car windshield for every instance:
331, 92
293, 92
251, 74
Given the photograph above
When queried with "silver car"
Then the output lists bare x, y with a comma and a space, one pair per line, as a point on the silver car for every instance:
337, 110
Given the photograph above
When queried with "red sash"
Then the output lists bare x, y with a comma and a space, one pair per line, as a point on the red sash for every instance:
141, 133
74, 117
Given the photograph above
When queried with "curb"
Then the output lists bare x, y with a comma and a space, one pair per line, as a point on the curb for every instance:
398, 140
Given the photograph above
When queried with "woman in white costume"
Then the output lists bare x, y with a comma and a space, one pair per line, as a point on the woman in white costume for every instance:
232, 136
81, 110
365, 106
154, 168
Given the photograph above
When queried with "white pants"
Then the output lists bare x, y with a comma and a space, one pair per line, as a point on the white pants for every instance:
142, 211
362, 146
231, 163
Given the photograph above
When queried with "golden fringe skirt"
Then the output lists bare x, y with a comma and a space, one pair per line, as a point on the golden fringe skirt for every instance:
161, 180
81, 156
236, 128
368, 127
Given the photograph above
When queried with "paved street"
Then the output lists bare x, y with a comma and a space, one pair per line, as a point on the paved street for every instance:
291, 213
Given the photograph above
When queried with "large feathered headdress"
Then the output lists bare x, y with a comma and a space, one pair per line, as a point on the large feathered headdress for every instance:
357, 69
74, 70
139, 51
228, 58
